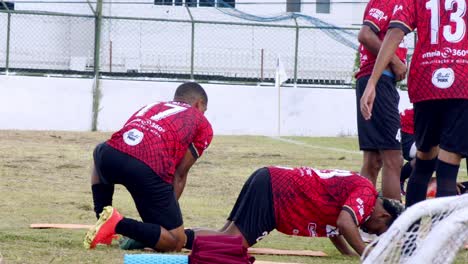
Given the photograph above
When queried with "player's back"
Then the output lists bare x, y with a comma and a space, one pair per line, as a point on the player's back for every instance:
160, 134
331, 184
439, 66
306, 195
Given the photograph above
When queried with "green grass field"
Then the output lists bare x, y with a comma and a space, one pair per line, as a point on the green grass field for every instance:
45, 179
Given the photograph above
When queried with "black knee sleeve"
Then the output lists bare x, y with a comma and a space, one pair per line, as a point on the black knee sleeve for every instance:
406, 171
190, 237
446, 179
146, 233
102, 196
418, 181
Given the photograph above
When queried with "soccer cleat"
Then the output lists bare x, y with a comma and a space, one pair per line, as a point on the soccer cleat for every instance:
104, 230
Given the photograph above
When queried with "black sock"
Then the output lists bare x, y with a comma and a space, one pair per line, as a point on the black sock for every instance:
102, 196
405, 174
418, 181
146, 233
190, 237
446, 179
406, 171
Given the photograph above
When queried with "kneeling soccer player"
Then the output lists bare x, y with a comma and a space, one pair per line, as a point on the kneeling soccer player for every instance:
151, 155
307, 202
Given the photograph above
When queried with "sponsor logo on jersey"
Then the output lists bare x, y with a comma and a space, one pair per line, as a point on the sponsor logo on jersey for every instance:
445, 53
378, 14
312, 227
364, 57
397, 8
133, 137
443, 78
332, 231
360, 206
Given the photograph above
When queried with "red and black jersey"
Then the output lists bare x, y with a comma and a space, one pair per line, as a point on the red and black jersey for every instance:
307, 201
160, 134
439, 66
407, 121
377, 16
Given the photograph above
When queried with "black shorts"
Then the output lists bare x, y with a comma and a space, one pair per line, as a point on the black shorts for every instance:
382, 131
253, 212
154, 198
407, 142
443, 123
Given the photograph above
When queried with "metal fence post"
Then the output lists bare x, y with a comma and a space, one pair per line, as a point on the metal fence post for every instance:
7, 60
192, 53
97, 47
296, 51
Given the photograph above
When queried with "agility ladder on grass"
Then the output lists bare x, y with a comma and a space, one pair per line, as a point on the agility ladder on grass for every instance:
155, 259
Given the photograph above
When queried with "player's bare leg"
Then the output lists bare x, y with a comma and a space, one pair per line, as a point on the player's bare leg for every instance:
392, 163
371, 165
172, 240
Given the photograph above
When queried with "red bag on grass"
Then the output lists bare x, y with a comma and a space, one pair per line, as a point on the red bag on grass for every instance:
219, 249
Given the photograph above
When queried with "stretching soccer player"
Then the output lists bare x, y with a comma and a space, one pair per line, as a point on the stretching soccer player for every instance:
379, 138
151, 156
307, 202
437, 86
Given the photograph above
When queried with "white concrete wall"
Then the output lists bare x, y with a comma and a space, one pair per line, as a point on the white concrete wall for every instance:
65, 104
38, 103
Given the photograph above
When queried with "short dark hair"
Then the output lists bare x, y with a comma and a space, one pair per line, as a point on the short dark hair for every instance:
393, 207
191, 91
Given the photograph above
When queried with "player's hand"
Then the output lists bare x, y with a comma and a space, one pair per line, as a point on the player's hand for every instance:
399, 69
367, 101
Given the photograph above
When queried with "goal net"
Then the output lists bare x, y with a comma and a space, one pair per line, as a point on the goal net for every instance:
432, 231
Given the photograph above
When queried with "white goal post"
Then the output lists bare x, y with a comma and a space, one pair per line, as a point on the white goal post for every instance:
432, 231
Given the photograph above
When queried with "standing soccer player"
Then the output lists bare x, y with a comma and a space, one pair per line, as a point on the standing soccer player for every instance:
409, 153
379, 138
151, 156
437, 87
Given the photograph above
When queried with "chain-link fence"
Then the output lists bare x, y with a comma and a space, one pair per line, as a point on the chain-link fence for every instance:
179, 42
55, 43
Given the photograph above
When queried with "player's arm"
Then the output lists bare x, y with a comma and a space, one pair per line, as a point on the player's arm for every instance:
180, 175
387, 50
369, 39
342, 246
346, 223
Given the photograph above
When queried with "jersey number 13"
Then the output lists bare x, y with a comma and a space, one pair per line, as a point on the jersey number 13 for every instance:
452, 35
